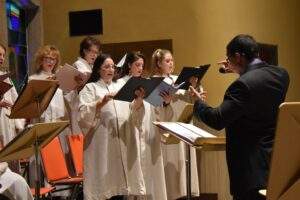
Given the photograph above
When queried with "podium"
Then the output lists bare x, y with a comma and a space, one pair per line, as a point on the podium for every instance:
284, 178
192, 136
31, 103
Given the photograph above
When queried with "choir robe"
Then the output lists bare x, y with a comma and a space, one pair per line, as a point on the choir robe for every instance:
111, 152
13, 185
174, 155
148, 144
72, 97
9, 127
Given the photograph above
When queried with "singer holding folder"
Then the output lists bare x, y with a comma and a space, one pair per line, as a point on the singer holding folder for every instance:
111, 150
12, 184
8, 127
174, 155
248, 113
149, 142
47, 59
88, 51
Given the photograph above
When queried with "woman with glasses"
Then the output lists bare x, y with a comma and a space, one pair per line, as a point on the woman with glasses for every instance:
111, 159
47, 59
89, 50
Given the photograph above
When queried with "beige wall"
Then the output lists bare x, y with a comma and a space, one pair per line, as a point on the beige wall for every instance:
200, 30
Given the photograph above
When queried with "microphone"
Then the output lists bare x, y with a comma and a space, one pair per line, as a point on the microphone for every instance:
224, 70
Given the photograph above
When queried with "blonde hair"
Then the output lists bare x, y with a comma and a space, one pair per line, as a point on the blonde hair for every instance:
157, 57
44, 51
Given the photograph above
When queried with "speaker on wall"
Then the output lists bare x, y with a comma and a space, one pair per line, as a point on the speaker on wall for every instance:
87, 22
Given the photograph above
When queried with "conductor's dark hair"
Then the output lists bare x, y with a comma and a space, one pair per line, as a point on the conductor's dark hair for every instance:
86, 44
243, 44
95, 75
131, 58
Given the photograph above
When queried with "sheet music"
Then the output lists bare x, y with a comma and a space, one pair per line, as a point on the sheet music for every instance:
155, 99
66, 77
187, 132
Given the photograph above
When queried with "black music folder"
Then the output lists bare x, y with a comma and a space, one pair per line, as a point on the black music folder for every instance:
153, 87
187, 72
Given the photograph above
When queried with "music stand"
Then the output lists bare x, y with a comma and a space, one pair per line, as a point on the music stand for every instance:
31, 103
284, 179
34, 99
211, 145
29, 142
206, 144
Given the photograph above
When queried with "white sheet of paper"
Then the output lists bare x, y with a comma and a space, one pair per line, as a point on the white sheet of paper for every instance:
155, 99
187, 131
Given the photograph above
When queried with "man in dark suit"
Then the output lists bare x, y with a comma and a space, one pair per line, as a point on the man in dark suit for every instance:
248, 113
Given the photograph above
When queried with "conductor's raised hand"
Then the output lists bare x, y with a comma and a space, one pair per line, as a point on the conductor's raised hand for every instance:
225, 66
197, 95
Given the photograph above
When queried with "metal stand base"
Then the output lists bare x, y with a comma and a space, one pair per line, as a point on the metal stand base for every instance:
188, 172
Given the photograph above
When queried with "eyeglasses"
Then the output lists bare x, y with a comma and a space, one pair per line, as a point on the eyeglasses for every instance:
50, 60
93, 52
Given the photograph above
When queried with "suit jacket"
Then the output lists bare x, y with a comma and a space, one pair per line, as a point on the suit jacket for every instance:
248, 113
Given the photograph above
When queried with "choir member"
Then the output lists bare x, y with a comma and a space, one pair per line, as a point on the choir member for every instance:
174, 155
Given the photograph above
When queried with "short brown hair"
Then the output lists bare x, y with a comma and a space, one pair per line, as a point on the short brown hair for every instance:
86, 44
42, 53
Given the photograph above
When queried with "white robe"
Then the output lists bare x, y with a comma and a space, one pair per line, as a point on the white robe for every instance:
174, 155
9, 127
111, 161
13, 185
148, 145
72, 96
